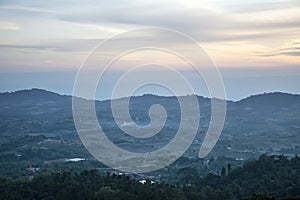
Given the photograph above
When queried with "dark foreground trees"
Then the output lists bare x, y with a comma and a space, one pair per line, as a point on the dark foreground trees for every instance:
86, 185
270, 177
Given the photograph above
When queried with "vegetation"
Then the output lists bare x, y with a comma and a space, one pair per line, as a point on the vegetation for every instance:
39, 148
274, 176
269, 177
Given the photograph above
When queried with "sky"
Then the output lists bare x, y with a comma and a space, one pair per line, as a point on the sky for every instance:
255, 44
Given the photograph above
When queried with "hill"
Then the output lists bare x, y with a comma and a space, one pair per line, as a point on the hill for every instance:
37, 128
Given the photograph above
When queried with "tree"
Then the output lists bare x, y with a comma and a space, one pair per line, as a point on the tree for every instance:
223, 171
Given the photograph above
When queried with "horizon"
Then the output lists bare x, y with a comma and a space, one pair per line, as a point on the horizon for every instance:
254, 45
146, 94
236, 88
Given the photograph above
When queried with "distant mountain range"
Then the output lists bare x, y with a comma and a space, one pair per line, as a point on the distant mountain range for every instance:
40, 95
267, 122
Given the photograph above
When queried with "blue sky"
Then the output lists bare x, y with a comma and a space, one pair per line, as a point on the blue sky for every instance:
255, 44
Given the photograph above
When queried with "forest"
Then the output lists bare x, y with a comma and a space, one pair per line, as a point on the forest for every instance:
269, 177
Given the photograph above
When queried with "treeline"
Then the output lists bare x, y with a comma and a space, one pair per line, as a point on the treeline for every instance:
269, 177
86, 185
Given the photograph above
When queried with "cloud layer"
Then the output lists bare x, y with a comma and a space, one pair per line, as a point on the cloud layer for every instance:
58, 34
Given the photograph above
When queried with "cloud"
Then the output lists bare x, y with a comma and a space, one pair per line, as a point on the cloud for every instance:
218, 22
259, 6
292, 49
26, 9
235, 30
291, 53
9, 26
63, 46
33, 47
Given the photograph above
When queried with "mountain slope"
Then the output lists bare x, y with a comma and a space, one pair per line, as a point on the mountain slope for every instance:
260, 123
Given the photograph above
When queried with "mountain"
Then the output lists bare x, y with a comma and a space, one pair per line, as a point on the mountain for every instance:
31, 97
276, 99
261, 123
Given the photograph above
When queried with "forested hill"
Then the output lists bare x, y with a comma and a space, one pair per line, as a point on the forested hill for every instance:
37, 133
35, 96
264, 179
268, 120
276, 99
31, 97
